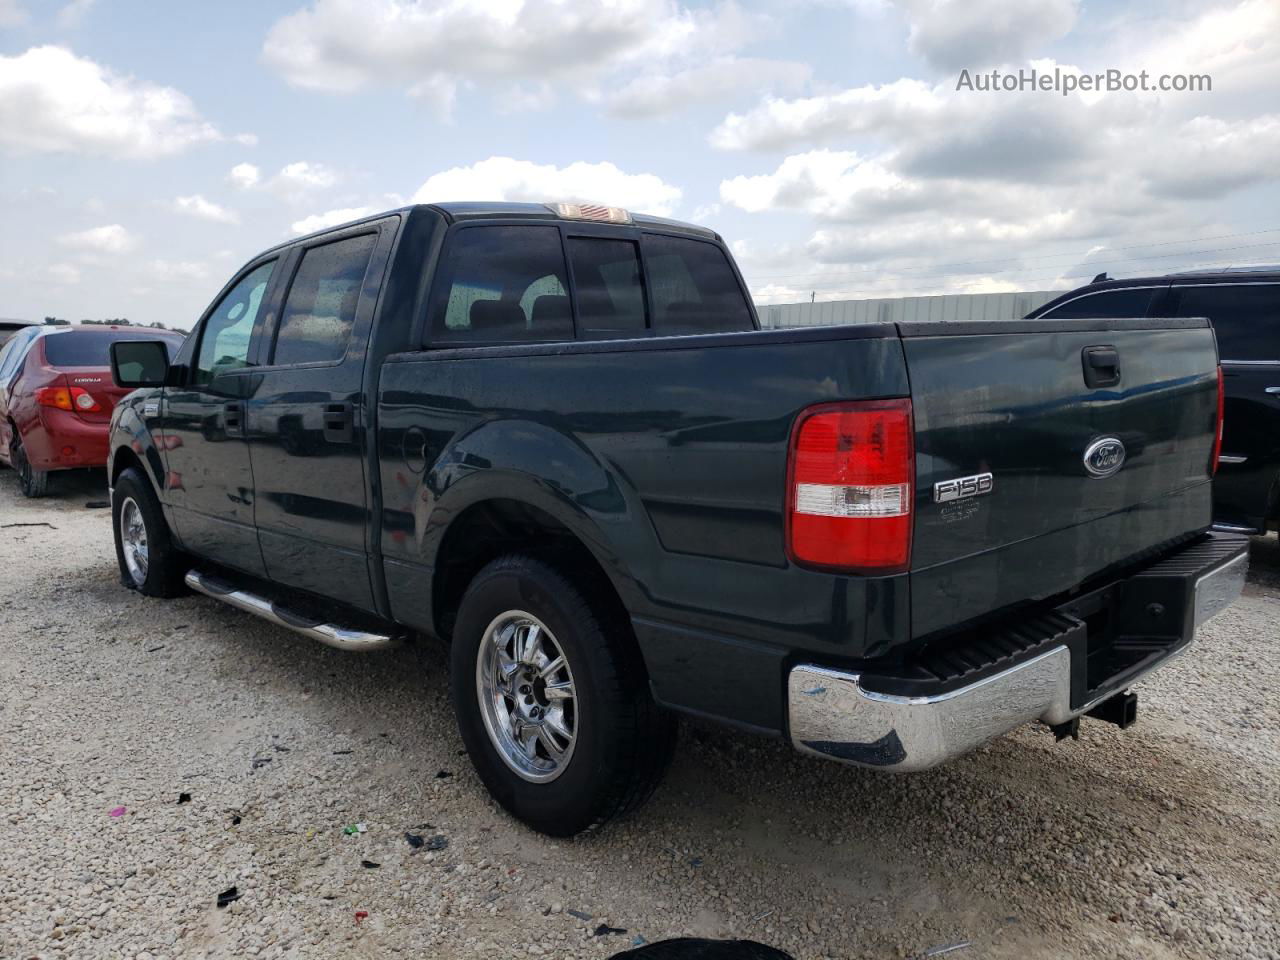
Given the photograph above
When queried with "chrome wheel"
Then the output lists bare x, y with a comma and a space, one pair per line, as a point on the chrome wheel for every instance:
133, 540
527, 697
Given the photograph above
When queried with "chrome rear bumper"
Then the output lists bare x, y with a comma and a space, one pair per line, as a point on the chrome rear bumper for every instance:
833, 715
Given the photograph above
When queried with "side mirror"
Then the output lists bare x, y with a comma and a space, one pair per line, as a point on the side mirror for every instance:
139, 363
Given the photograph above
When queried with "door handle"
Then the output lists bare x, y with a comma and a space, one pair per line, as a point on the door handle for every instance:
339, 420
233, 418
1274, 391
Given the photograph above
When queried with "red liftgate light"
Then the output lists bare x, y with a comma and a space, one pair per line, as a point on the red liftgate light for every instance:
850, 486
1217, 437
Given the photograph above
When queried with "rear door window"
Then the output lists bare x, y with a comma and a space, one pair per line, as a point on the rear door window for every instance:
1107, 304
501, 284
1245, 317
606, 280
320, 310
692, 287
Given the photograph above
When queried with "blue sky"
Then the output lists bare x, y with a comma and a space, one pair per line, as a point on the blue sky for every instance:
146, 150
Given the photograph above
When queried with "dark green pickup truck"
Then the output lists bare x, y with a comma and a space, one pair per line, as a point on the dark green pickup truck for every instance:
554, 436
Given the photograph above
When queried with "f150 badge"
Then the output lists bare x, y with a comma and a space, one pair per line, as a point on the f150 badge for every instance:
1104, 457
962, 488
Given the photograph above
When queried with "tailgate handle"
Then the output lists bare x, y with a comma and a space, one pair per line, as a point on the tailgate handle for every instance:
1101, 366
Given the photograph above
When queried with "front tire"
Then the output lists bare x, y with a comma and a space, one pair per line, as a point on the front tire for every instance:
33, 483
552, 700
149, 561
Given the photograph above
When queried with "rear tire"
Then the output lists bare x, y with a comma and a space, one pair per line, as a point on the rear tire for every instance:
563, 748
33, 483
149, 561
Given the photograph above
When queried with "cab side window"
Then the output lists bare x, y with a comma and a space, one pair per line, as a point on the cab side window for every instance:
1107, 304
320, 311
502, 284
693, 287
1245, 317
224, 341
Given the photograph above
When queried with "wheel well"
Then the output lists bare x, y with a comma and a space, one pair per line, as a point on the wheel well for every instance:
485, 531
124, 459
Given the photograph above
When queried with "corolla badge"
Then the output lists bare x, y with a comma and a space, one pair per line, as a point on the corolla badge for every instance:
1104, 457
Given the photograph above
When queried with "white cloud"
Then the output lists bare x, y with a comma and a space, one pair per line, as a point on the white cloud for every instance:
246, 139
12, 13
197, 206
955, 34
52, 100
657, 93
878, 110
503, 178
74, 13
531, 48
303, 176
112, 238
330, 218
244, 175
63, 273
175, 270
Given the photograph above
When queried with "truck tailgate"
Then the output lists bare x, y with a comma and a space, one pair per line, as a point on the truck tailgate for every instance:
1011, 400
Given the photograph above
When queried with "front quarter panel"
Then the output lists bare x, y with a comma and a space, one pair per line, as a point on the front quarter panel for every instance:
133, 427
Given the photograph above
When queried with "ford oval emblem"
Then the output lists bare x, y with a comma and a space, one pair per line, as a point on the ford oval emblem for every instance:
1104, 457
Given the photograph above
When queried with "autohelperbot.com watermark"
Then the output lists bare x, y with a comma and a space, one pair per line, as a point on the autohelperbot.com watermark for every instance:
1067, 82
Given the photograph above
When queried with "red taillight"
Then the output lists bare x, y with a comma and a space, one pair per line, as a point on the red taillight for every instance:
1217, 438
64, 398
850, 486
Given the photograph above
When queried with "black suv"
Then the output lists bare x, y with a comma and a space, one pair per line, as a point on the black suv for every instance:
1244, 305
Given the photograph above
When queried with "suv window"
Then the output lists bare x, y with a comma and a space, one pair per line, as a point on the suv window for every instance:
224, 342
1106, 304
1245, 317
693, 288
320, 309
503, 283
606, 280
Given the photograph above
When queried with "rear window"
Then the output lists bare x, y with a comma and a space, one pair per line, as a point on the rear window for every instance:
1108, 304
503, 284
92, 348
606, 276
1245, 317
692, 287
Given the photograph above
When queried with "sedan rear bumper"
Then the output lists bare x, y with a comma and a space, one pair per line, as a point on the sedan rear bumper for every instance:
839, 715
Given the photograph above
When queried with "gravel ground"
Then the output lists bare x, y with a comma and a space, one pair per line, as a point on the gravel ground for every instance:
1161, 841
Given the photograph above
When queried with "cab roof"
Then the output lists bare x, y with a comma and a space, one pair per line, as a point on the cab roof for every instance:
460, 210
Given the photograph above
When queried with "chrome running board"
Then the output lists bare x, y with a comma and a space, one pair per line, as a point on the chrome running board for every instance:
330, 634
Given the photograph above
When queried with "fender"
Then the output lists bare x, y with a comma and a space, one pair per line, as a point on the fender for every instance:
530, 462
535, 463
129, 431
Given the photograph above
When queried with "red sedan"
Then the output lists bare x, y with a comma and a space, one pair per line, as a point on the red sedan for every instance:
56, 398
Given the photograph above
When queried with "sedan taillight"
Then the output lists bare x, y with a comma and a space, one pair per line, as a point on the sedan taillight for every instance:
67, 398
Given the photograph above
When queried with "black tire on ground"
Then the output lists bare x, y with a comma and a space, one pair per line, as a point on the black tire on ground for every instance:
623, 741
165, 565
33, 483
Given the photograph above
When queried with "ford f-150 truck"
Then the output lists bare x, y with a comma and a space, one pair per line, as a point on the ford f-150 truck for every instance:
554, 436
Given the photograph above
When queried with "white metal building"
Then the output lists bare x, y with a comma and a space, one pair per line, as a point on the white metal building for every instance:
952, 307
